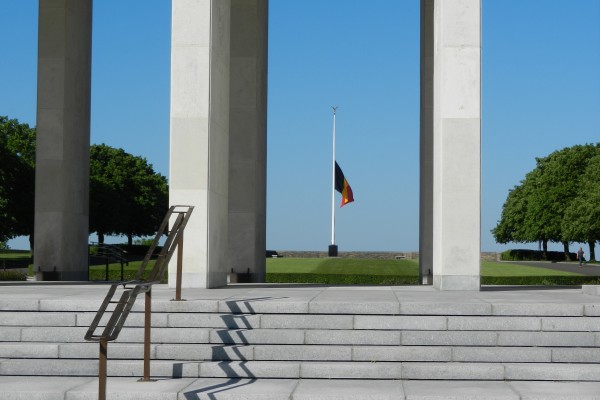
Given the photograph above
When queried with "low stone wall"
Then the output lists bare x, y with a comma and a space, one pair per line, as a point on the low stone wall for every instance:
381, 255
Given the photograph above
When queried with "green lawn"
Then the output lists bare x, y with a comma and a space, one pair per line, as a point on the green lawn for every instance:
364, 271
489, 268
347, 266
98, 272
12, 254
405, 272
361, 266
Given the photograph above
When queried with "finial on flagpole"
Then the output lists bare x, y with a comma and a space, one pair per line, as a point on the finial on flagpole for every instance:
334, 108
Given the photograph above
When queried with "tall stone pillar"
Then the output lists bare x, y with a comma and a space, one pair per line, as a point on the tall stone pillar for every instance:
457, 144
199, 153
426, 146
63, 139
248, 138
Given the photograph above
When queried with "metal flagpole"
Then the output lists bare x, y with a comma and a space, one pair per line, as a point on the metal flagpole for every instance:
333, 247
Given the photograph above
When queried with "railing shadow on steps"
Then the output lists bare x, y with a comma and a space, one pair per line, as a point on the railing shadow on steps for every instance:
141, 284
231, 321
210, 391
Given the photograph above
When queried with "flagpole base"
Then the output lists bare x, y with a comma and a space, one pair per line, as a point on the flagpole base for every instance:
333, 250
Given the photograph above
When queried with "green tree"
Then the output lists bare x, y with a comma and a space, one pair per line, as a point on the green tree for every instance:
557, 187
535, 210
581, 222
17, 179
512, 220
127, 197
517, 222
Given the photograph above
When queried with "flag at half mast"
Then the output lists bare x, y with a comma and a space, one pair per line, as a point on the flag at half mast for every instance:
342, 186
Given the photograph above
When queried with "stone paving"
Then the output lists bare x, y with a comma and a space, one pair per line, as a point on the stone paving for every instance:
78, 388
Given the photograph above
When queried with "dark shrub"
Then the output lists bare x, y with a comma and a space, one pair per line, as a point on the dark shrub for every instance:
534, 255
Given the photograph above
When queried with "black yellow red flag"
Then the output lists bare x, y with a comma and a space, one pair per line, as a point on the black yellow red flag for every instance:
342, 186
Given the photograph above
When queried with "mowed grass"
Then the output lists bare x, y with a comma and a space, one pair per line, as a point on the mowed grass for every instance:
346, 266
359, 271
98, 272
489, 268
14, 255
361, 266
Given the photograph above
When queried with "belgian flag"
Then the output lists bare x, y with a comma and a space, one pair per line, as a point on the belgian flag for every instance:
342, 186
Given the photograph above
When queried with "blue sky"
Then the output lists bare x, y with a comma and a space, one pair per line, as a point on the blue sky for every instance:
540, 93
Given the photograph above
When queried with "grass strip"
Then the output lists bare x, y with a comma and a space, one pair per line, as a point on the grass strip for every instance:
336, 279
343, 266
341, 279
98, 272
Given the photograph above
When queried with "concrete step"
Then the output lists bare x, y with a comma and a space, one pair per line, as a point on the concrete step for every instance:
313, 321
208, 352
423, 305
365, 334
73, 334
308, 370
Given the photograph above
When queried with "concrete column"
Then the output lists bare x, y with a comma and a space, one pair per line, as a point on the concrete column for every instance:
248, 138
426, 146
63, 139
199, 154
457, 145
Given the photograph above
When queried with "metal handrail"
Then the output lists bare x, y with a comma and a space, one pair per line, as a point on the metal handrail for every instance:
131, 289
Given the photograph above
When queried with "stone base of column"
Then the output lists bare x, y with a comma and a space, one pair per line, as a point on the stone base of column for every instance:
54, 276
235, 277
456, 282
189, 280
427, 278
333, 250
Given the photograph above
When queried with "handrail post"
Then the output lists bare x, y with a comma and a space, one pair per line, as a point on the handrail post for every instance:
179, 267
147, 325
102, 370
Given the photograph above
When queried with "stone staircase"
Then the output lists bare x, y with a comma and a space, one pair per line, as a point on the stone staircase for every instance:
270, 338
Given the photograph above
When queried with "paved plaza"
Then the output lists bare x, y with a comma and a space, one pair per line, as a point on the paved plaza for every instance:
292, 389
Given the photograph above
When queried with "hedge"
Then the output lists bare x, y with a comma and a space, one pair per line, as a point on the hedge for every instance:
534, 255
12, 276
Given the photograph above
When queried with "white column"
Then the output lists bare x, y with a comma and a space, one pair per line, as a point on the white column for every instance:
199, 154
248, 138
426, 145
63, 138
457, 145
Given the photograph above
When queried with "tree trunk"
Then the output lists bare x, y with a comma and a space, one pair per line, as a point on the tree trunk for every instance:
100, 237
566, 249
592, 245
545, 249
31, 244
130, 239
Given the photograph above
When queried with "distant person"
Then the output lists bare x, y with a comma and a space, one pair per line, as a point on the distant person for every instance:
580, 256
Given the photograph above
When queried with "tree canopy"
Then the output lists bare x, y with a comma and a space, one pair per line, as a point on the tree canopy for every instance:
17, 178
127, 197
555, 202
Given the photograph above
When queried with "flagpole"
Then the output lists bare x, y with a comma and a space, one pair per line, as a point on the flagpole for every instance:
333, 247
